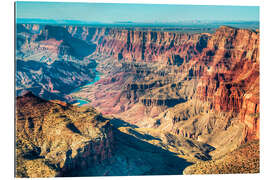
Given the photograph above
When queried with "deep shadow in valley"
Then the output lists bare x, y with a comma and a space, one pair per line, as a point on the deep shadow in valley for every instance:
120, 123
132, 156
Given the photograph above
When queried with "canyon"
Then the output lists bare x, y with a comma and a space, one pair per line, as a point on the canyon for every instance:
181, 98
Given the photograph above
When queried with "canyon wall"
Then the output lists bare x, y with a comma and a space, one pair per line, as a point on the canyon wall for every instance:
50, 62
222, 67
232, 78
153, 71
143, 46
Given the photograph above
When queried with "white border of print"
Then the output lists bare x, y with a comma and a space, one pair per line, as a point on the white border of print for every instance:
7, 86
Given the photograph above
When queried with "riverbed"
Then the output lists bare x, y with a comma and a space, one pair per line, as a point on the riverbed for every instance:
81, 102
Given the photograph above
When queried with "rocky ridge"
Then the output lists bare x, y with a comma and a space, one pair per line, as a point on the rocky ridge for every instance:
52, 139
245, 159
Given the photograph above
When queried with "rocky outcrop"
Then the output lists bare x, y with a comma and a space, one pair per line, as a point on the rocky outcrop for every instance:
141, 46
52, 139
231, 80
54, 38
162, 102
53, 81
69, 45
50, 62
232, 163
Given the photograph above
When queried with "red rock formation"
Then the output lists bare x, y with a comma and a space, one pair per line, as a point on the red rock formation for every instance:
231, 80
175, 48
225, 65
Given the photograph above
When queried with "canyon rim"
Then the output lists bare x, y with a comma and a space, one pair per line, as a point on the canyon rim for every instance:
145, 93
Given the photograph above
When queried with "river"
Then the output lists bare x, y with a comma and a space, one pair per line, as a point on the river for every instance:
81, 102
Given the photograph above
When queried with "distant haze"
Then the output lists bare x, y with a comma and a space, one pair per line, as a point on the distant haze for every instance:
146, 13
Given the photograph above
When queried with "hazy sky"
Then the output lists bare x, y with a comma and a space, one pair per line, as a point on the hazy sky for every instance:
102, 12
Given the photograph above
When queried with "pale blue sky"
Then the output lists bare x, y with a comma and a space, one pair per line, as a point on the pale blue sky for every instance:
102, 12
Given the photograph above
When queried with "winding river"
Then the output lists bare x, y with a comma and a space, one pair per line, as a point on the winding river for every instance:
81, 102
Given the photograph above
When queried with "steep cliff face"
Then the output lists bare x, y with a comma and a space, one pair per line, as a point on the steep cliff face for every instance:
55, 39
220, 68
150, 46
52, 81
231, 80
143, 46
228, 85
52, 139
50, 62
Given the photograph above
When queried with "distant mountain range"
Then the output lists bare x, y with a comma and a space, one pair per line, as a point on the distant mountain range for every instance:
184, 23
50, 21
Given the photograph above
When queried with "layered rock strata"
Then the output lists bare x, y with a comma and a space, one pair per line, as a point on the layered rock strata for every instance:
169, 68
199, 86
50, 62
